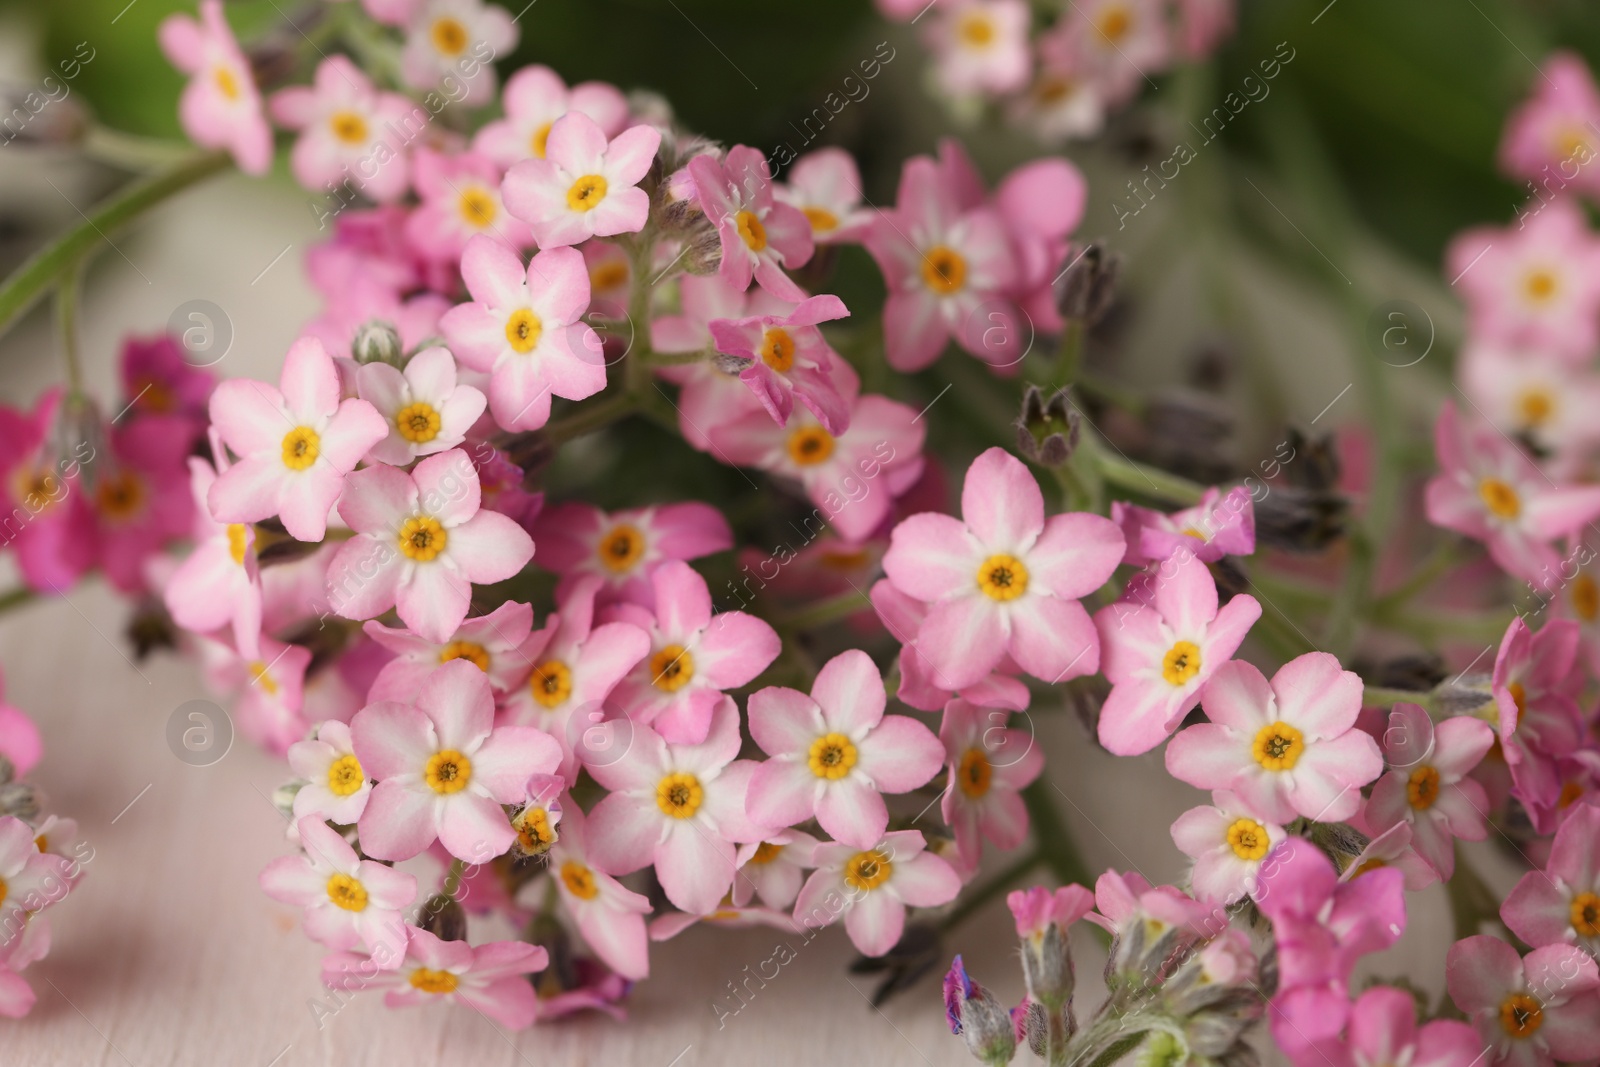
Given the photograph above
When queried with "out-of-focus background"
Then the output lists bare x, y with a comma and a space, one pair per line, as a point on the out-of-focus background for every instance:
1375, 146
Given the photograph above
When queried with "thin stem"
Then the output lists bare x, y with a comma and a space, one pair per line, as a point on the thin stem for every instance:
452, 881
976, 899
16, 598
1145, 480
1056, 846
129, 151
45, 267
822, 612
67, 329
591, 417
1377, 696
678, 359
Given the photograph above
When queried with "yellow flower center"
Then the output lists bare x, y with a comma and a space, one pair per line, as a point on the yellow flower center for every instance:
679, 795
868, 870
429, 980
120, 495
449, 36
1278, 747
832, 756
974, 773
976, 29
621, 548
1519, 697
751, 230
1521, 1015
523, 330
1585, 597
1586, 914
226, 82
237, 543
1540, 285
1422, 788
448, 771
478, 207
671, 668
470, 651
1114, 23
3, 890
944, 270
822, 220
422, 538
612, 274
1499, 498
301, 446
586, 193
534, 834
810, 445
777, 349
765, 853
551, 683
347, 893
260, 676
1181, 663
1003, 577
579, 880
418, 423
1248, 839
540, 138
1536, 406
349, 127
345, 776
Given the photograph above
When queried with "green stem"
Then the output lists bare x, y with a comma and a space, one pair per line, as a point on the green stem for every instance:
45, 267
1145, 480
1056, 848
129, 151
1471, 900
1433, 626
822, 612
452, 881
16, 598
1377, 696
67, 329
591, 417
976, 899
678, 359
1070, 358
637, 374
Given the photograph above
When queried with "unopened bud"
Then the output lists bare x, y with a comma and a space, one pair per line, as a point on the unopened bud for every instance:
1047, 430
978, 1018
1085, 290
377, 341
1300, 520
444, 918
283, 797
703, 255
1047, 968
19, 799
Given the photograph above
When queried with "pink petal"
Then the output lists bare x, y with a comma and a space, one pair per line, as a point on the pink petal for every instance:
875, 921
398, 822
1075, 554
734, 648
782, 793
852, 812
932, 557
850, 691
696, 868
964, 639
1318, 695
1002, 504
1052, 639
900, 754
472, 827
392, 739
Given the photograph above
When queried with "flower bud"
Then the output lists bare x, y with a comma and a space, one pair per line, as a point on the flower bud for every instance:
977, 1017
19, 799
703, 254
283, 797
1085, 290
377, 341
1047, 430
444, 918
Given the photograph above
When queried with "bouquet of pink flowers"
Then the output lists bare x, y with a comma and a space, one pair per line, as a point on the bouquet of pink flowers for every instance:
592, 567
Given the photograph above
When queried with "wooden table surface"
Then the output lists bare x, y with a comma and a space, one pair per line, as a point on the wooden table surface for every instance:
168, 954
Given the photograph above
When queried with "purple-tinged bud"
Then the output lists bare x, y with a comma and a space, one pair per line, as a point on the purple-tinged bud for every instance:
978, 1017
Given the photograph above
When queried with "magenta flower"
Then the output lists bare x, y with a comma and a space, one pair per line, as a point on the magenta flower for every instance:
872, 888
349, 902
584, 185
1036, 909
773, 868
1040, 203
268, 690
789, 359
990, 763
349, 131
421, 543
157, 378
1393, 848
1536, 396
826, 186
610, 917
497, 644
1160, 645
574, 667
1322, 928
1003, 579
453, 43
694, 655
367, 298
1289, 748
219, 583
427, 410
680, 807
50, 525
295, 445
336, 786
19, 737
220, 107
1533, 284
1537, 683
461, 200
490, 978
443, 770
141, 496
981, 47
834, 752
853, 478
624, 547
1490, 490
1220, 525
1529, 1010
525, 329
950, 270
1227, 843
760, 236
1561, 904
534, 98
1123, 899
1427, 784
1551, 136
1382, 1029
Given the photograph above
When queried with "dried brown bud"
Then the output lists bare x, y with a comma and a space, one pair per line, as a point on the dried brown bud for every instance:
1085, 290
1047, 430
